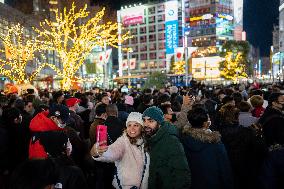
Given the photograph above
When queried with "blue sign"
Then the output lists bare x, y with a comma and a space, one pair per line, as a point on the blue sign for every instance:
171, 36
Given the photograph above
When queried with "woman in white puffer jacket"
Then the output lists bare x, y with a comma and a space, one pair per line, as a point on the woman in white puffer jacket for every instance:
128, 153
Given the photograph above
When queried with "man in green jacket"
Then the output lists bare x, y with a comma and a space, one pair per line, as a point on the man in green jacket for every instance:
168, 163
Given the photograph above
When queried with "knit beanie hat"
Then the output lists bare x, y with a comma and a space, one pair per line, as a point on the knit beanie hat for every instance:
134, 116
154, 113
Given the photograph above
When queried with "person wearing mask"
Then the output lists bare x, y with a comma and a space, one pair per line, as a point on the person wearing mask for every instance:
43, 124
206, 154
168, 168
129, 154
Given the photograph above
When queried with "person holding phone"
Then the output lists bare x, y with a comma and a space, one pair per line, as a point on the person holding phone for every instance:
128, 152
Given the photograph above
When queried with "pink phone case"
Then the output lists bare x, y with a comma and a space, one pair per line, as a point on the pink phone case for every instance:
101, 134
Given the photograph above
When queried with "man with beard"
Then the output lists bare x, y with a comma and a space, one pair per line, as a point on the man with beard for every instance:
168, 167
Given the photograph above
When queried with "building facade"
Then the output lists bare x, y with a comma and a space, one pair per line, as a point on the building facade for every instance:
157, 30
211, 22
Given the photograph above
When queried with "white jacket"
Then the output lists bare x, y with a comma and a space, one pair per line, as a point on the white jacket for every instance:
129, 160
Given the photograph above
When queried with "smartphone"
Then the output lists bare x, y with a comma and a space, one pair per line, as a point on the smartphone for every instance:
101, 134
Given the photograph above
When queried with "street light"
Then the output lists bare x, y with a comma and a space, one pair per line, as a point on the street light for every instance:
129, 50
186, 57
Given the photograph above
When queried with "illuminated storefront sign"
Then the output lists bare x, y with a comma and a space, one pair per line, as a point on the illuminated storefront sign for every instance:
133, 15
225, 16
171, 18
206, 67
209, 16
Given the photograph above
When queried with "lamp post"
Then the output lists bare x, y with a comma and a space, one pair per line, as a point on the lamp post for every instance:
129, 50
186, 57
106, 84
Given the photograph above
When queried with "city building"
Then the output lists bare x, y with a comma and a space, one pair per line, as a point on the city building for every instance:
157, 30
238, 7
211, 22
281, 37
156, 27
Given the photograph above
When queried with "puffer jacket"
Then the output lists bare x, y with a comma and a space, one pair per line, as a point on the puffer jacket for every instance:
168, 168
130, 161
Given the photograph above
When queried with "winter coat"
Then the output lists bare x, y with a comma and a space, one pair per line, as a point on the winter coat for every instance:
40, 124
207, 159
77, 123
245, 152
68, 175
182, 120
272, 172
168, 168
271, 118
130, 161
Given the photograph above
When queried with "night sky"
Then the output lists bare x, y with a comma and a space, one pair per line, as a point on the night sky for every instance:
259, 17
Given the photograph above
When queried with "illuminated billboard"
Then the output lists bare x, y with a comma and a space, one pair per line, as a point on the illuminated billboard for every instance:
206, 67
238, 12
171, 19
133, 15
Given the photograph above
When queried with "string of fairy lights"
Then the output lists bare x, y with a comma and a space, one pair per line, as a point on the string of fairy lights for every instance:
71, 39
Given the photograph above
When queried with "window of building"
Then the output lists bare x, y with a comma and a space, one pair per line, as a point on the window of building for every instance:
161, 46
143, 39
161, 27
162, 55
152, 28
161, 8
143, 29
143, 56
133, 31
153, 55
152, 19
152, 37
152, 10
134, 40
143, 47
152, 46
161, 36
161, 18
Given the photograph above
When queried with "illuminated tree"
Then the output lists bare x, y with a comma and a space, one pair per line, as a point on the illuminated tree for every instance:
74, 34
236, 64
18, 49
232, 68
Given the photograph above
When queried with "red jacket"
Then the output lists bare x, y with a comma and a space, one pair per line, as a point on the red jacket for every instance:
40, 123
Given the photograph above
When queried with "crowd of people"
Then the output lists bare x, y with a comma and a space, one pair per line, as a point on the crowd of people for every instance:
198, 137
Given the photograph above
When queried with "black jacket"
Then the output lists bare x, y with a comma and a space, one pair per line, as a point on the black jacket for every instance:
245, 152
207, 159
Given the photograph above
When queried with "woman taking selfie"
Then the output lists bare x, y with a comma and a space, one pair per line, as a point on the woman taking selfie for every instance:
131, 160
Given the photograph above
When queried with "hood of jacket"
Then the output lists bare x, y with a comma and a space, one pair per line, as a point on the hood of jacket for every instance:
198, 139
166, 128
41, 123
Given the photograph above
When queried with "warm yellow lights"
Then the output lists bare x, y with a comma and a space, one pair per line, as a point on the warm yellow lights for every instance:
178, 67
232, 68
19, 49
73, 39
